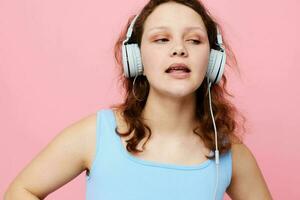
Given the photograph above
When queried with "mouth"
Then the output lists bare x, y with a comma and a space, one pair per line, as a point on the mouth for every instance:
178, 68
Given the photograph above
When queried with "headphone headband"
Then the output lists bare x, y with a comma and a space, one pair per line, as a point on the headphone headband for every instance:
129, 31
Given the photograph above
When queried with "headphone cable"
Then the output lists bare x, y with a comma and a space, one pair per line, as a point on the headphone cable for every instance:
216, 141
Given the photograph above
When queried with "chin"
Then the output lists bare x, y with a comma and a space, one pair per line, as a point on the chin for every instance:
181, 94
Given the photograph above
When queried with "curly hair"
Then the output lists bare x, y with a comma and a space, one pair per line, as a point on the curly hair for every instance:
226, 114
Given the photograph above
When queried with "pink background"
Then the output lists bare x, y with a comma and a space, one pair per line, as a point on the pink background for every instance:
56, 66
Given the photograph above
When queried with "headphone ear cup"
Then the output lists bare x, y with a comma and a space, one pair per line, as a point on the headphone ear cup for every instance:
138, 66
216, 65
125, 61
134, 61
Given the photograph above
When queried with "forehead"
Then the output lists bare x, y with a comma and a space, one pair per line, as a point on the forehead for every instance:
168, 16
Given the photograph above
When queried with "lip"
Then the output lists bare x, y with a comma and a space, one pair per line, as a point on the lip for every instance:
177, 65
179, 74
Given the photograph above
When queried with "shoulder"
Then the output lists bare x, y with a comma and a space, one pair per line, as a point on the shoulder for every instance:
88, 127
85, 122
246, 174
243, 160
88, 131
84, 127
83, 133
81, 129
241, 153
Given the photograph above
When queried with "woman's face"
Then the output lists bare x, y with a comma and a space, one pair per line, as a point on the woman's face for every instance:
161, 47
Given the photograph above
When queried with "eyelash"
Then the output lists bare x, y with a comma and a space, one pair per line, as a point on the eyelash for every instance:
197, 41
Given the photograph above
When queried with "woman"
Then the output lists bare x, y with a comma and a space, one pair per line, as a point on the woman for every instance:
163, 142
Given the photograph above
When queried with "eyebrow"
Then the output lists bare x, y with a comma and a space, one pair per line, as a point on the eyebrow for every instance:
187, 28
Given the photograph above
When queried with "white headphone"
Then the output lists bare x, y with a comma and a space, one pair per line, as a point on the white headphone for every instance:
132, 61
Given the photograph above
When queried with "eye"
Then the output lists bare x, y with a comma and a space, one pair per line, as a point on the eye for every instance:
161, 39
196, 41
165, 39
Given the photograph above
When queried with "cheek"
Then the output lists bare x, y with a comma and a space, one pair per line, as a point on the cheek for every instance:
152, 60
203, 58
200, 63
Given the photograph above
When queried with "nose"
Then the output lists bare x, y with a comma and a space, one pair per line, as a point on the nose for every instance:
179, 50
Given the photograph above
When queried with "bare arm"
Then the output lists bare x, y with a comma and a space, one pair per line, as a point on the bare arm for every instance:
20, 193
59, 162
247, 180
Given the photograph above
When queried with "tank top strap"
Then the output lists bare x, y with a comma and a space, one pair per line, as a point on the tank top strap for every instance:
106, 141
226, 167
106, 132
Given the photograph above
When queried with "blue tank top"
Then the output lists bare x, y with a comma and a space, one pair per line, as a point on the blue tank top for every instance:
118, 175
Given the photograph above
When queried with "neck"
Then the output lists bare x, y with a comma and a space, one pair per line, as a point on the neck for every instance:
170, 117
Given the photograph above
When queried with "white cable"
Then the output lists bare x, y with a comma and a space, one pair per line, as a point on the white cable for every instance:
216, 141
